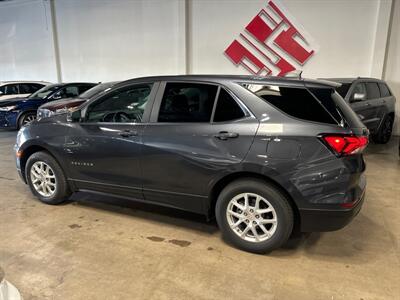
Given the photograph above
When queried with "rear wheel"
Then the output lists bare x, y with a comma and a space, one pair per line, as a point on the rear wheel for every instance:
26, 118
46, 178
254, 216
384, 132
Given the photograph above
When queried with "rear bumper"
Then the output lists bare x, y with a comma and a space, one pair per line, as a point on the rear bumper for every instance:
317, 220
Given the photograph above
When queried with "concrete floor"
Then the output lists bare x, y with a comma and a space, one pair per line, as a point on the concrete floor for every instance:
91, 250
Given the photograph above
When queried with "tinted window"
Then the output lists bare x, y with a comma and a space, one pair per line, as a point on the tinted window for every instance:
84, 88
384, 90
67, 92
187, 102
297, 102
326, 97
227, 108
123, 106
26, 89
359, 89
11, 89
3, 89
372, 90
96, 90
343, 89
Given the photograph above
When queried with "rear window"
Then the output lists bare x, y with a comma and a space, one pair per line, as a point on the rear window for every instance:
296, 102
384, 90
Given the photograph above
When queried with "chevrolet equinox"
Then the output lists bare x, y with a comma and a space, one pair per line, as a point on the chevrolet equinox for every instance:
264, 156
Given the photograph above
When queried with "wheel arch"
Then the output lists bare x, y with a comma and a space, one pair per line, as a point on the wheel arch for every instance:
224, 181
21, 114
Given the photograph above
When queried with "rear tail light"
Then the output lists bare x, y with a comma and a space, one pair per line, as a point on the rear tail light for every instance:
346, 144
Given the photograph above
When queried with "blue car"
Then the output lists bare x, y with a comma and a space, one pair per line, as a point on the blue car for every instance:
17, 112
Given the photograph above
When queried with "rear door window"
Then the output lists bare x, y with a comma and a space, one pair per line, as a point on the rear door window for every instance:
296, 102
372, 90
187, 102
227, 108
384, 90
11, 89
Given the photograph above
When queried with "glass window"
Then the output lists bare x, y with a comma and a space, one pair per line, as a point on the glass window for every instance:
96, 90
45, 91
3, 89
187, 102
123, 106
11, 89
372, 90
384, 90
227, 108
84, 88
25, 89
359, 89
67, 92
296, 102
343, 89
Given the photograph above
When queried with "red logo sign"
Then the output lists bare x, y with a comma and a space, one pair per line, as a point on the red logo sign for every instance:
272, 43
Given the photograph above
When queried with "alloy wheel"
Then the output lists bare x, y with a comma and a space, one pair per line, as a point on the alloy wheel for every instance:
28, 119
251, 217
43, 179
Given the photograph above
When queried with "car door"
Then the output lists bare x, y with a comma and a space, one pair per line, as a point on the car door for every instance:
104, 149
184, 151
25, 89
361, 103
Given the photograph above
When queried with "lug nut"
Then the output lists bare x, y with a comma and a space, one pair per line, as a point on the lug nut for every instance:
251, 210
254, 222
257, 216
247, 221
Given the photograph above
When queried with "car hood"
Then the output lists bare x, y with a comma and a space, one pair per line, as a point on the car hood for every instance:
16, 101
63, 104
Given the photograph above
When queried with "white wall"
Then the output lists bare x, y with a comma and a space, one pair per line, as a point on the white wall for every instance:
115, 40
392, 69
345, 31
26, 47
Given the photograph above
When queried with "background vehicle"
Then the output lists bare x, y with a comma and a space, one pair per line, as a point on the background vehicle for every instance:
373, 102
14, 113
263, 156
69, 104
12, 89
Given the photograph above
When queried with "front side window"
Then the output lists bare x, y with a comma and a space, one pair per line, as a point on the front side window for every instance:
123, 106
227, 108
296, 102
67, 92
373, 90
187, 102
25, 89
359, 89
45, 91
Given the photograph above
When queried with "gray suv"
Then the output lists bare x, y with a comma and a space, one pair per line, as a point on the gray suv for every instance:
265, 156
373, 102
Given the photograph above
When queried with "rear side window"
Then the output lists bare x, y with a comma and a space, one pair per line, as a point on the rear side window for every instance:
384, 90
296, 102
227, 108
25, 89
11, 89
187, 102
372, 90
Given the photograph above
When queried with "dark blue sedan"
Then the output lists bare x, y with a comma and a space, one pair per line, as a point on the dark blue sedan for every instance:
17, 112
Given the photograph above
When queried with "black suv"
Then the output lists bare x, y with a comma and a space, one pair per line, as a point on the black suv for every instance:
374, 103
265, 156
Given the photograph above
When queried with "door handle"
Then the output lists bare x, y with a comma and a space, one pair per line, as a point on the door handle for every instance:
128, 133
224, 135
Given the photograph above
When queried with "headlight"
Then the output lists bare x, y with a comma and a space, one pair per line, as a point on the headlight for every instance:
44, 113
8, 108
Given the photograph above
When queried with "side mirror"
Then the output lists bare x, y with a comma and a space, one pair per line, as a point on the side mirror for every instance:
56, 97
358, 97
74, 116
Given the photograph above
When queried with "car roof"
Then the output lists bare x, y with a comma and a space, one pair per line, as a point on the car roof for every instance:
290, 81
24, 81
352, 79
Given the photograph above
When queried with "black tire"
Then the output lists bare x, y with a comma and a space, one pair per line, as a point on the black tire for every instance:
281, 205
62, 191
23, 120
384, 132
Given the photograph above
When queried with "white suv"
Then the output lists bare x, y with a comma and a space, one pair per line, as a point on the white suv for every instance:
12, 89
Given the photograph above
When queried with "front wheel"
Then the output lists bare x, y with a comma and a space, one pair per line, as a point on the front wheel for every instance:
254, 216
46, 178
26, 119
